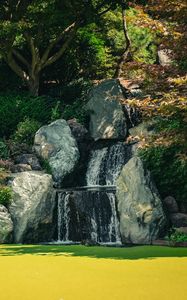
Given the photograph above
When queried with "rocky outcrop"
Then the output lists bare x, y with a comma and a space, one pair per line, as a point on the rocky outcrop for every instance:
140, 209
32, 207
107, 119
56, 144
6, 225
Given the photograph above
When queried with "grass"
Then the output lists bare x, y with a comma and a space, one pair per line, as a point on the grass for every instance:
92, 273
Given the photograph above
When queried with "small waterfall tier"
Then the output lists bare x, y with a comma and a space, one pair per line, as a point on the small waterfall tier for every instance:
105, 164
88, 215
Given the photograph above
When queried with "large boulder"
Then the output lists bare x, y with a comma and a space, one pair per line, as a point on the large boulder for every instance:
32, 207
56, 144
142, 218
6, 225
107, 119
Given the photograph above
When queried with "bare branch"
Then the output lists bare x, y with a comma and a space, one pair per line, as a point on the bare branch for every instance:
127, 47
15, 67
105, 11
59, 53
21, 58
34, 52
55, 41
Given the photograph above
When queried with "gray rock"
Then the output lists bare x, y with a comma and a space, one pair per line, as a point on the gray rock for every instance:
171, 204
183, 207
29, 159
79, 132
164, 57
32, 207
20, 168
107, 119
144, 129
56, 144
142, 218
179, 220
6, 225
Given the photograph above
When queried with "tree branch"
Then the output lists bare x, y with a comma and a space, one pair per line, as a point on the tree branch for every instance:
15, 67
21, 58
105, 11
127, 47
65, 45
35, 54
54, 42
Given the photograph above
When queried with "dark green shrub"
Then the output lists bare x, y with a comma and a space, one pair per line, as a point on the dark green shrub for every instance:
55, 112
25, 131
15, 108
175, 236
4, 151
75, 110
46, 166
5, 195
168, 169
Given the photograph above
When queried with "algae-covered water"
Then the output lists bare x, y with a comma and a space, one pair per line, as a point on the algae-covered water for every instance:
53, 272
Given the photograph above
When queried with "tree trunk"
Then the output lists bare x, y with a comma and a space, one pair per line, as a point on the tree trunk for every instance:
127, 46
33, 85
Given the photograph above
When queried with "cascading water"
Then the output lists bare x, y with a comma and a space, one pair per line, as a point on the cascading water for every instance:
105, 164
90, 213
63, 216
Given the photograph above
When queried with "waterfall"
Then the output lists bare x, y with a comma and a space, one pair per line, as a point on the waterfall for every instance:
63, 216
93, 172
90, 213
114, 232
105, 164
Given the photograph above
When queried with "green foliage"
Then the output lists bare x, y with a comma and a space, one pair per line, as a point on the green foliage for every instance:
55, 112
94, 55
168, 169
76, 110
4, 151
143, 40
5, 195
14, 108
46, 166
175, 236
25, 131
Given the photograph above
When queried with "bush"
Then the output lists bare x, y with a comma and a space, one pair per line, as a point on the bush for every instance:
5, 195
176, 236
4, 151
15, 108
76, 110
26, 131
168, 169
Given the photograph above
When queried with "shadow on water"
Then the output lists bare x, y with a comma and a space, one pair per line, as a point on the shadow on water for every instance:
131, 253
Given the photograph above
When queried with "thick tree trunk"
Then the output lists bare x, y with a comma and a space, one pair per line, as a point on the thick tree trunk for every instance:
33, 85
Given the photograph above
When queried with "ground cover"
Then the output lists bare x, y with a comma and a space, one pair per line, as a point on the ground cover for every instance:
86, 273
